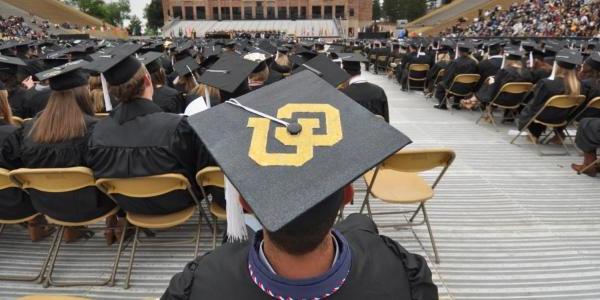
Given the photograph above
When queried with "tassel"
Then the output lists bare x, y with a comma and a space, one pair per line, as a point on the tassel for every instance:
503, 61
236, 227
436, 56
107, 104
207, 96
419, 52
456, 54
531, 59
553, 75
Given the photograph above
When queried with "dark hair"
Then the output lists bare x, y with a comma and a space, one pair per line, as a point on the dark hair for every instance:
353, 73
495, 51
158, 77
306, 232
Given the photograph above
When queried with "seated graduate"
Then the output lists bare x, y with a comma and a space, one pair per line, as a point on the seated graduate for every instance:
588, 140
168, 99
442, 58
229, 74
58, 138
540, 69
492, 64
463, 64
369, 95
590, 84
14, 203
416, 56
139, 139
35, 98
17, 79
300, 253
260, 74
562, 81
282, 63
512, 71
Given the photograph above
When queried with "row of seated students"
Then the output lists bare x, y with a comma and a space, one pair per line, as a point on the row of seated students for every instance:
553, 68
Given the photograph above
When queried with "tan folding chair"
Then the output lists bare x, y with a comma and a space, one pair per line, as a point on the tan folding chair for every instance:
517, 92
562, 102
381, 62
152, 186
438, 78
6, 183
396, 180
101, 115
212, 176
469, 80
593, 104
62, 180
417, 68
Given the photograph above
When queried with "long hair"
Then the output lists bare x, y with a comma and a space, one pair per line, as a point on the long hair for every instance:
63, 117
283, 60
569, 77
514, 63
201, 89
96, 93
131, 89
186, 83
158, 78
260, 76
5, 111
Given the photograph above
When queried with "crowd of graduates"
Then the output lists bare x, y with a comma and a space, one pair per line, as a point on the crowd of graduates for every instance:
552, 66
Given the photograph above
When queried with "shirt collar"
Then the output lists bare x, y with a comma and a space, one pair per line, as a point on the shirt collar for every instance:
357, 79
127, 111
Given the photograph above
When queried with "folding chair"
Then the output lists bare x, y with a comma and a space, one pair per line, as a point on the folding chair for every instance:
6, 183
468, 81
593, 104
212, 176
558, 102
438, 78
51, 297
509, 97
381, 62
391, 67
62, 180
151, 186
396, 181
415, 69
101, 115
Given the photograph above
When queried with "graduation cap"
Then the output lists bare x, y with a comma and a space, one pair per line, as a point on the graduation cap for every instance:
259, 58
152, 61
2, 86
283, 50
351, 61
228, 73
568, 59
325, 68
67, 76
267, 46
465, 46
117, 65
11, 60
282, 172
594, 61
186, 66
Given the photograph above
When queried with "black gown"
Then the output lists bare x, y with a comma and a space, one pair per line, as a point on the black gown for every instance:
14, 203
370, 96
139, 139
16, 99
381, 269
507, 75
488, 67
588, 135
84, 204
591, 90
461, 65
35, 100
274, 76
280, 69
433, 73
169, 99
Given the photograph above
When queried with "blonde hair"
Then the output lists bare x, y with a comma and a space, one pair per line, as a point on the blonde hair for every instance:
96, 93
570, 80
5, 110
260, 76
283, 60
513, 63
201, 90
63, 117
443, 57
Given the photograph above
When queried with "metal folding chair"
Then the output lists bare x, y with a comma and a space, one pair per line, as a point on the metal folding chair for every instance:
101, 115
469, 81
417, 68
559, 102
142, 188
517, 92
396, 180
212, 176
62, 180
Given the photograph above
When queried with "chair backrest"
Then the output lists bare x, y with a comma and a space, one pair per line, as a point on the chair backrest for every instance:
594, 103
512, 94
418, 67
516, 87
210, 176
143, 187
419, 160
101, 115
466, 78
5, 181
564, 101
53, 180
439, 75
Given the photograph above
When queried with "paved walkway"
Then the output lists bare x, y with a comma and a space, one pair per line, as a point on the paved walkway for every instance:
509, 224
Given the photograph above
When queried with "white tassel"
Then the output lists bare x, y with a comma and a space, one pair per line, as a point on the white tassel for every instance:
236, 227
531, 59
436, 56
107, 103
419, 52
207, 96
456, 53
503, 61
553, 75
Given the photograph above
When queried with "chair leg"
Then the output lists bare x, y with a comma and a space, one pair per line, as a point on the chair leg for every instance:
118, 256
52, 262
204, 215
214, 241
517, 136
435, 252
562, 142
2, 227
133, 249
416, 212
197, 240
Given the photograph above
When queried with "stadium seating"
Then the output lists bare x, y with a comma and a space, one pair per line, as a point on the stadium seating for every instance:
322, 28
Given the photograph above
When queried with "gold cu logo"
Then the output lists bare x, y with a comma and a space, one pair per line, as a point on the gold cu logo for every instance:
304, 142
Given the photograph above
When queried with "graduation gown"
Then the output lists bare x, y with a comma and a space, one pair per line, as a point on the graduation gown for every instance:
169, 99
274, 76
381, 269
83, 204
433, 72
591, 90
489, 67
16, 99
370, 96
461, 65
588, 135
35, 100
139, 139
410, 59
507, 75
280, 69
14, 203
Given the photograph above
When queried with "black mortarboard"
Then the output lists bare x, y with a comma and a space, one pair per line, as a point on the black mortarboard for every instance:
67, 76
10, 60
118, 64
260, 58
152, 61
351, 61
552, 48
528, 45
186, 66
283, 50
228, 72
325, 68
465, 46
594, 60
281, 175
514, 54
267, 46
568, 59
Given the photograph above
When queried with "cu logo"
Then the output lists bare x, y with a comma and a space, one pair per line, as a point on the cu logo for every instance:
305, 141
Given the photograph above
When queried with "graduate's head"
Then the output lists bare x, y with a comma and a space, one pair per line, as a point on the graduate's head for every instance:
591, 67
139, 85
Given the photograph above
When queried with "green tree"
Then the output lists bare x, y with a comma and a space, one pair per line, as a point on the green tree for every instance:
117, 12
403, 9
96, 8
376, 10
154, 14
135, 26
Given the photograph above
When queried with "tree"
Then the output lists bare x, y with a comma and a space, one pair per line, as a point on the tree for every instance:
154, 14
376, 10
135, 26
403, 9
114, 13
